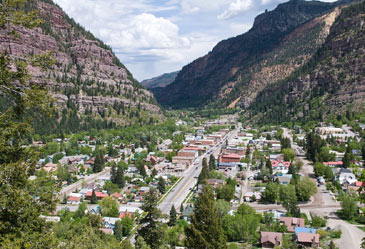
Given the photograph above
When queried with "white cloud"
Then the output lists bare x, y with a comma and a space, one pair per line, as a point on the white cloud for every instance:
235, 8
146, 31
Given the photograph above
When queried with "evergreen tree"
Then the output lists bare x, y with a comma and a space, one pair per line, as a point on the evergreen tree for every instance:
172, 221
141, 243
269, 166
204, 173
248, 151
22, 200
205, 231
99, 162
161, 185
211, 162
113, 174
118, 230
93, 199
119, 179
348, 157
152, 230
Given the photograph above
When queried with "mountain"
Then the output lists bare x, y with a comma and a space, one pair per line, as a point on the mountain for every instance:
332, 82
237, 69
160, 81
92, 88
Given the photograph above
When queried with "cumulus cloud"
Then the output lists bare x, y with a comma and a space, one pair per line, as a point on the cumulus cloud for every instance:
235, 8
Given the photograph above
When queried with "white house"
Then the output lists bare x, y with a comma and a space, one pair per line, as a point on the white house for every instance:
346, 176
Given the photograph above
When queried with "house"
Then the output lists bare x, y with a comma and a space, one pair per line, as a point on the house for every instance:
307, 239
126, 214
73, 200
99, 195
183, 160
284, 179
144, 190
187, 212
280, 166
304, 230
227, 166
251, 196
292, 222
109, 222
188, 153
117, 196
234, 150
229, 158
277, 213
215, 183
50, 167
346, 176
333, 164
270, 239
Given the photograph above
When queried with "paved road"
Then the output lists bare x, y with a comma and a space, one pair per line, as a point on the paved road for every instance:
78, 185
183, 188
323, 204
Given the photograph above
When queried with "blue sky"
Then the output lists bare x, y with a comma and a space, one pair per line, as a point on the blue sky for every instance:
154, 37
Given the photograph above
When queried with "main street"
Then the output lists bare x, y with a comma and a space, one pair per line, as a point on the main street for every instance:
183, 188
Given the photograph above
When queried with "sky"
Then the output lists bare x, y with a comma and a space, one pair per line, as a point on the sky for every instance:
152, 37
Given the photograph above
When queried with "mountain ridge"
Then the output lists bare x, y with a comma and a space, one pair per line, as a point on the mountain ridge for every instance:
201, 82
92, 88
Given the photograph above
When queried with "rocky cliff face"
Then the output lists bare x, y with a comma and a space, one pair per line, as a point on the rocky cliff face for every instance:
331, 82
237, 69
87, 76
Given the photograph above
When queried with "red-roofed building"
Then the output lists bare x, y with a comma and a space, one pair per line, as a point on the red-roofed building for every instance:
194, 148
229, 158
280, 166
126, 214
334, 164
308, 239
73, 200
292, 222
360, 184
99, 195
271, 239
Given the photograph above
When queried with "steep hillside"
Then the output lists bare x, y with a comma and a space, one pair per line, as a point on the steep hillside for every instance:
92, 88
332, 81
160, 81
274, 46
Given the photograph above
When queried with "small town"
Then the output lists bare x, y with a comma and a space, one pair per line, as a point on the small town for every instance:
299, 186
182, 124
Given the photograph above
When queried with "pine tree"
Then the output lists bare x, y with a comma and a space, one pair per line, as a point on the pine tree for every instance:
248, 151
22, 200
269, 166
161, 185
348, 157
211, 162
93, 199
118, 230
205, 231
204, 173
152, 230
172, 221
113, 174
119, 178
99, 162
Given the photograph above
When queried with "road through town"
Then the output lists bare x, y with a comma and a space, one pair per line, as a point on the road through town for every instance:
324, 204
183, 188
